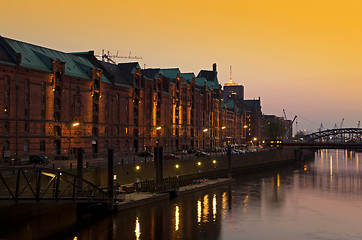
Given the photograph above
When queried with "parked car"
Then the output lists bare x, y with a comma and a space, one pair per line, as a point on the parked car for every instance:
235, 152
38, 159
170, 156
201, 154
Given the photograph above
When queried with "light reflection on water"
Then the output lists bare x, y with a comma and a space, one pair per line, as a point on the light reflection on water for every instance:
317, 200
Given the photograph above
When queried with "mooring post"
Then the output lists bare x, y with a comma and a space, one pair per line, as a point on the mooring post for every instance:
229, 163
80, 167
110, 179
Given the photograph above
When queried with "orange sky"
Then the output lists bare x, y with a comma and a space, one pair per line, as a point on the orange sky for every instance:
304, 56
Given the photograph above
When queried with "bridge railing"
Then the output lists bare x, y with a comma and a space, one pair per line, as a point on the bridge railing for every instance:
46, 184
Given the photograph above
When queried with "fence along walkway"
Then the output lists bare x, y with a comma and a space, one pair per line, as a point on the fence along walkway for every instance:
38, 184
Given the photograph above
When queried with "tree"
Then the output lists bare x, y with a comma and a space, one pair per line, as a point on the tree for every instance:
274, 129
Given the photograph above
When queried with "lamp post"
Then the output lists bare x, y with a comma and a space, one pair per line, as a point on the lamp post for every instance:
71, 124
205, 130
158, 135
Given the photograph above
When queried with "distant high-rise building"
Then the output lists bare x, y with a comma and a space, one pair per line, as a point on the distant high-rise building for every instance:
232, 90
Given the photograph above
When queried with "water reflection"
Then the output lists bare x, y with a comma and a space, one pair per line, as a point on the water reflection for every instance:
138, 229
177, 218
214, 211
317, 200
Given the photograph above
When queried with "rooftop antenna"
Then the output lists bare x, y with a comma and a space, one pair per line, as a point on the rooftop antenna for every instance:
109, 57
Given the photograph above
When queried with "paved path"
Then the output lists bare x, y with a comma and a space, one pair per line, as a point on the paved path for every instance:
136, 199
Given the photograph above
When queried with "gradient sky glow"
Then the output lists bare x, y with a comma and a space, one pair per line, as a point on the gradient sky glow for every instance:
303, 56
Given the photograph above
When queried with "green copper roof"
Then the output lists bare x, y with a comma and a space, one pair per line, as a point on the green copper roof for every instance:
40, 58
170, 72
188, 76
200, 81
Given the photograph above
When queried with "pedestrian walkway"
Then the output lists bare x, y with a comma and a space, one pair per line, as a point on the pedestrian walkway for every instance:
136, 199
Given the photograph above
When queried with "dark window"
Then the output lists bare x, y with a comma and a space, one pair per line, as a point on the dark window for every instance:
42, 146
43, 114
6, 96
57, 131
57, 116
26, 128
57, 147
95, 132
6, 128
6, 145
7, 80
42, 129
26, 146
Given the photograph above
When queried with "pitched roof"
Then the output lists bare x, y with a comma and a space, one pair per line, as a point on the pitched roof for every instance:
200, 81
40, 59
113, 72
151, 73
188, 76
171, 73
211, 76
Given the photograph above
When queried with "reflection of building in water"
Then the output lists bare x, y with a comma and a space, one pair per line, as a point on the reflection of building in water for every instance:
337, 170
326, 181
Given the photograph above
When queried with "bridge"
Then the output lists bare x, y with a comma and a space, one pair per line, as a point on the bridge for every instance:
42, 184
344, 138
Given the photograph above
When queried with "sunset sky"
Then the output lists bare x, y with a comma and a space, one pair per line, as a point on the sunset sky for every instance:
302, 56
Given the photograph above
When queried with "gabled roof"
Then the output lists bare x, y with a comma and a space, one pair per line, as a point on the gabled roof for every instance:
128, 69
40, 58
200, 81
7, 55
114, 73
188, 76
211, 76
171, 73
151, 73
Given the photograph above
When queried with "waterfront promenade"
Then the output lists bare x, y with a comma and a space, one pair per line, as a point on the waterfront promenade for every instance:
136, 199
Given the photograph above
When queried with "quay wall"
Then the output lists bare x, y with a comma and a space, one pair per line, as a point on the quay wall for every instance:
126, 174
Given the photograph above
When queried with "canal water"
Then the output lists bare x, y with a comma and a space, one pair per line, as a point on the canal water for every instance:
321, 199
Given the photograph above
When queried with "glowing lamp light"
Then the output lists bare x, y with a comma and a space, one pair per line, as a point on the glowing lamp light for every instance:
223, 127
214, 161
137, 167
75, 124
205, 130
177, 166
245, 126
199, 163
254, 139
158, 128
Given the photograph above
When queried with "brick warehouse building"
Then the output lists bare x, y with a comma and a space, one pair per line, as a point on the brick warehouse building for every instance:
53, 103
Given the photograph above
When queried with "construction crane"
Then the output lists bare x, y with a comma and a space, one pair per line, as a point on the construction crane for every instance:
340, 126
285, 115
321, 127
109, 57
290, 127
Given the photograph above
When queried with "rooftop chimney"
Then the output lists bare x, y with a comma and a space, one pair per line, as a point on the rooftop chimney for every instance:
214, 67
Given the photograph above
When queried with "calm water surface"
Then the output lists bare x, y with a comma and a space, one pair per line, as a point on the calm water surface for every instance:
320, 200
